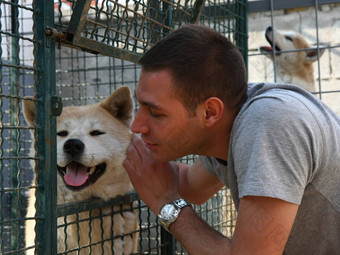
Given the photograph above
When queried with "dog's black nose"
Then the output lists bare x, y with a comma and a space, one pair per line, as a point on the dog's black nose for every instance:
74, 147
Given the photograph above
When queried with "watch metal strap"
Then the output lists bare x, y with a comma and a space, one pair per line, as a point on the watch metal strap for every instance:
180, 203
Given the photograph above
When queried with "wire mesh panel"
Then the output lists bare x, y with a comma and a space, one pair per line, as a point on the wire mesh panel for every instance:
129, 26
317, 24
84, 77
16, 79
21, 70
126, 29
98, 44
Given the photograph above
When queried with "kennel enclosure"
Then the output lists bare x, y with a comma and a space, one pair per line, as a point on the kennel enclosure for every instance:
73, 53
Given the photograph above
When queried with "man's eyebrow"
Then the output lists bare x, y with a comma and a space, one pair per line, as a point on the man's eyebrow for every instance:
149, 104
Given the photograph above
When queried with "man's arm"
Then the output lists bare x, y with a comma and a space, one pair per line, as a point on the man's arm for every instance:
197, 185
263, 224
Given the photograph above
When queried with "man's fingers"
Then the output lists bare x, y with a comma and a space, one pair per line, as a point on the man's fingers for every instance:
129, 167
131, 161
133, 155
140, 146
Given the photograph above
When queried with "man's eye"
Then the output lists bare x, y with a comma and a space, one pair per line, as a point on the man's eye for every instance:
62, 133
156, 115
96, 132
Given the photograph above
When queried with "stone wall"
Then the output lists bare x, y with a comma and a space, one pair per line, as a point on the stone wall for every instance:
323, 23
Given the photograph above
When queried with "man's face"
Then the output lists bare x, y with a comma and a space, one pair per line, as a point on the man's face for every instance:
165, 126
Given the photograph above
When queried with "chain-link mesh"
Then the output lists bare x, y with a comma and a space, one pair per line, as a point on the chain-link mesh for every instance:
16, 81
98, 44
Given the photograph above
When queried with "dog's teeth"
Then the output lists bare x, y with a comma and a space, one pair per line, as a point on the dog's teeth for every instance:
91, 170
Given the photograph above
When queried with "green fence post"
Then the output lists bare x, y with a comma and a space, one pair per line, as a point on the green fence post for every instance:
241, 34
14, 120
168, 243
44, 55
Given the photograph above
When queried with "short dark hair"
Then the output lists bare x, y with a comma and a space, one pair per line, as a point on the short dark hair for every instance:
203, 64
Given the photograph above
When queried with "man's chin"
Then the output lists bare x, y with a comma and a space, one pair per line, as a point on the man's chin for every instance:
159, 157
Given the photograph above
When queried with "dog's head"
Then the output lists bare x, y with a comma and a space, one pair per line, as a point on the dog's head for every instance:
92, 141
289, 48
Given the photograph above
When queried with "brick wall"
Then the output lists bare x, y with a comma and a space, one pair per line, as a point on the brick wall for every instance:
303, 21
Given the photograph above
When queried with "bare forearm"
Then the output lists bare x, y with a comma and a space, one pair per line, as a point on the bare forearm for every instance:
196, 184
197, 237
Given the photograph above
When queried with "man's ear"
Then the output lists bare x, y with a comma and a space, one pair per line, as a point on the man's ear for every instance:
213, 108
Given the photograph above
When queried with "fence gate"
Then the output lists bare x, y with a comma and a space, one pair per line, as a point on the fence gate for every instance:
78, 52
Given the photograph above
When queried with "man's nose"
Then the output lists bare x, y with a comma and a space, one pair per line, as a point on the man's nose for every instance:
139, 124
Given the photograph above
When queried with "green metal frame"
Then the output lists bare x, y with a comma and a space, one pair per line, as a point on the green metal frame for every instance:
46, 190
73, 36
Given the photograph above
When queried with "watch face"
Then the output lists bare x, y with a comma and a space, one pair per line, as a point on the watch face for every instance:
169, 212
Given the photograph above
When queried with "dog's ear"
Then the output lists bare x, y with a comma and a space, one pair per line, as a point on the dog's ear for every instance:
120, 105
312, 55
28, 109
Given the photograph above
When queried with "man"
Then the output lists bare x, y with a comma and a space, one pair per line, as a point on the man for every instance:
277, 147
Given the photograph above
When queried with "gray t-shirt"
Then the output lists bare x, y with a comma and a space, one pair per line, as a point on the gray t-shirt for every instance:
285, 144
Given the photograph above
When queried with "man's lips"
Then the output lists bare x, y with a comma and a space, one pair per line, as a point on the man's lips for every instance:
148, 143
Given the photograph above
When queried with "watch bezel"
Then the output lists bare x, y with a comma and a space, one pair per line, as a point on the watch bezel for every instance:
165, 218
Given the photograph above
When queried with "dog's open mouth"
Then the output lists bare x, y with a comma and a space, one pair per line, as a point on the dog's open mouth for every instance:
268, 49
77, 176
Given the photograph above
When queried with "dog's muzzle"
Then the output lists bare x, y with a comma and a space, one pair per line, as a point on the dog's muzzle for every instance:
76, 175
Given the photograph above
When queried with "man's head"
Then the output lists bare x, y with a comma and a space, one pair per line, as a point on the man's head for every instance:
203, 64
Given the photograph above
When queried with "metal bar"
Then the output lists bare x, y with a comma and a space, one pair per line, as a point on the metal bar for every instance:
105, 49
295, 50
16, 35
168, 10
264, 5
2, 200
241, 33
78, 19
274, 48
197, 11
92, 204
14, 119
317, 45
45, 135
156, 20
168, 243
220, 11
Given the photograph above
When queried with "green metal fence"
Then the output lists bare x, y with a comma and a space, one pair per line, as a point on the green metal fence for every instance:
80, 52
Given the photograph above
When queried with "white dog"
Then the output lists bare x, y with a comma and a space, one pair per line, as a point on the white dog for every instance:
91, 147
293, 64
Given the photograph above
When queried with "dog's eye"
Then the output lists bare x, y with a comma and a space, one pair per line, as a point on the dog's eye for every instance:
289, 38
96, 132
62, 133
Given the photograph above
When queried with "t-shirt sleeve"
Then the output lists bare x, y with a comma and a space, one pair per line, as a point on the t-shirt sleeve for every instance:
212, 166
208, 164
274, 149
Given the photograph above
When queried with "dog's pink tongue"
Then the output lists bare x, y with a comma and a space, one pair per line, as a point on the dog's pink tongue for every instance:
267, 48
76, 174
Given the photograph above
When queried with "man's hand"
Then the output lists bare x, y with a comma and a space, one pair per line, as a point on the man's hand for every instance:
156, 183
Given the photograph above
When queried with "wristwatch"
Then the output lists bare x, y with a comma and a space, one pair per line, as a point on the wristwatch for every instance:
169, 212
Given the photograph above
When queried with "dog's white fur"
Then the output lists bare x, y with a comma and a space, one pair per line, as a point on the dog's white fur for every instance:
295, 67
103, 129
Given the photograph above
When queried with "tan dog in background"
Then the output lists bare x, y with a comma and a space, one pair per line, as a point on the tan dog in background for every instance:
295, 67
91, 147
